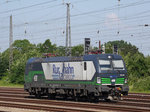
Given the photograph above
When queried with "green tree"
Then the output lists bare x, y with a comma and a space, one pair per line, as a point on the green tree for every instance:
147, 60
123, 47
60, 51
136, 67
4, 63
47, 47
23, 46
77, 50
22, 51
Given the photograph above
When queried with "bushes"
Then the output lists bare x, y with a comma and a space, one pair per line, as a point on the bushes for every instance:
16, 74
22, 51
142, 84
138, 72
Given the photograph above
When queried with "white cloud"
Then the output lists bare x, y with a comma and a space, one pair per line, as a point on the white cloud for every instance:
112, 20
112, 16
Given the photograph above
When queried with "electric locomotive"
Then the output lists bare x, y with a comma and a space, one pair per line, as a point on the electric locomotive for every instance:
92, 76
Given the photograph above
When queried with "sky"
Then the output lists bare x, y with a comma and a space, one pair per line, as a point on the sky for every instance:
105, 20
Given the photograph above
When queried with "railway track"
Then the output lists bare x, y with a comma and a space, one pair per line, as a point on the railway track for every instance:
16, 97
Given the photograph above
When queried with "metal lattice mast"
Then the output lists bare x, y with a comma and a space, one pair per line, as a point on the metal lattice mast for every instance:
10, 43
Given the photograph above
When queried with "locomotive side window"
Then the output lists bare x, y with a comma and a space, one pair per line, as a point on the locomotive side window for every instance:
85, 66
28, 68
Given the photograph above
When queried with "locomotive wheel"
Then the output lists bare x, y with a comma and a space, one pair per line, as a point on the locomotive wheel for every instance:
107, 100
76, 98
52, 96
96, 99
65, 97
38, 95
93, 99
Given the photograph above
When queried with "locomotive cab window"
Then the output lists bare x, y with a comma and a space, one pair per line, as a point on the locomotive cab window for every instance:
105, 64
111, 64
118, 64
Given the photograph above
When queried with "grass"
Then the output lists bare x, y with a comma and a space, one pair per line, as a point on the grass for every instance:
131, 90
10, 85
5, 83
148, 92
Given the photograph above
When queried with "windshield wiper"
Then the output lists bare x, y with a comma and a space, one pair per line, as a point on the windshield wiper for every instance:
118, 71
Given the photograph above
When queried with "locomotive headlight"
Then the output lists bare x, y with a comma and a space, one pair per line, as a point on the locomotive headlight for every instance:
113, 80
98, 80
126, 81
109, 57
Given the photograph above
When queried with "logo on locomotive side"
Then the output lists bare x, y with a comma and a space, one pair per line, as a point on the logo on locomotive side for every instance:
63, 73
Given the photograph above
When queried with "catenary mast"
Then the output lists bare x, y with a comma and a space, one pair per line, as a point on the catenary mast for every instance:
68, 32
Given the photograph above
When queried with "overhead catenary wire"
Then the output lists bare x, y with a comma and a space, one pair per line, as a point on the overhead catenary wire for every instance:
130, 28
85, 13
18, 9
59, 18
75, 14
27, 7
8, 1
129, 19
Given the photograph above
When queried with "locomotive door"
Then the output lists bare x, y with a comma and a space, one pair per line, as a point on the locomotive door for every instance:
84, 70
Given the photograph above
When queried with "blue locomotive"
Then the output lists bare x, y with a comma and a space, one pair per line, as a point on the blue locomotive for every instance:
92, 76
